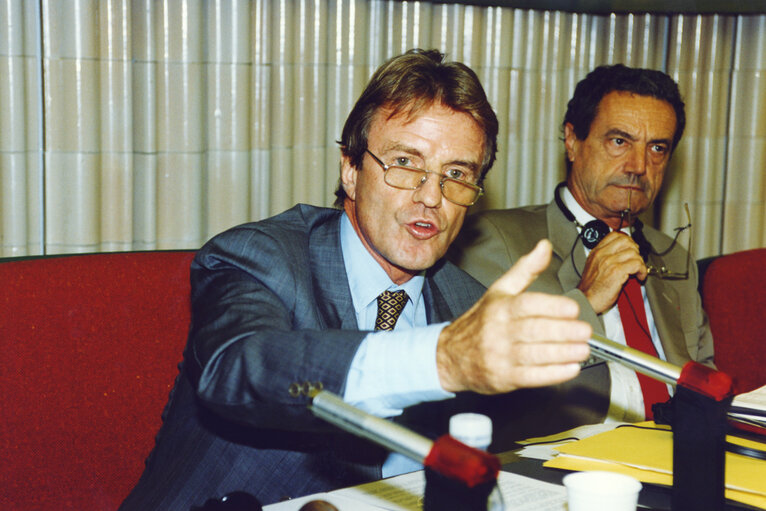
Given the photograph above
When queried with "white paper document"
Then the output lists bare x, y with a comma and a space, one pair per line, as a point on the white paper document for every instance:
751, 406
405, 493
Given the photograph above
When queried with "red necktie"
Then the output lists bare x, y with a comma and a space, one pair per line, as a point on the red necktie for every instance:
631, 306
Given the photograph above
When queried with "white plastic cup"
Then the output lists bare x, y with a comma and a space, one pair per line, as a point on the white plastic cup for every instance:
598, 490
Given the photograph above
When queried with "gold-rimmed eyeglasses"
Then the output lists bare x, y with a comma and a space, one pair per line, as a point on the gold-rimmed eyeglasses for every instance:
661, 271
454, 190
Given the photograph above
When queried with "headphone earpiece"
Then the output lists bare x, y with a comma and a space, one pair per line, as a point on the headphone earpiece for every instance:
593, 232
590, 233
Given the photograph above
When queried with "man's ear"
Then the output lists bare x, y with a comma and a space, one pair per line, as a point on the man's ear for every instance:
348, 174
570, 141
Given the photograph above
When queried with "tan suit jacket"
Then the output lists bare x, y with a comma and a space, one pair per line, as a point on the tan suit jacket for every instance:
492, 241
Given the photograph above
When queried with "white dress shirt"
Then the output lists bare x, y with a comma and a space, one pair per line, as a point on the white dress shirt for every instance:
626, 403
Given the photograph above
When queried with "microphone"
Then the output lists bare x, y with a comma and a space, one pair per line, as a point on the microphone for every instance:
457, 476
699, 420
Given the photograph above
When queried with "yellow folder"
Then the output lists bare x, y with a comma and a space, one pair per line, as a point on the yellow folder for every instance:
647, 455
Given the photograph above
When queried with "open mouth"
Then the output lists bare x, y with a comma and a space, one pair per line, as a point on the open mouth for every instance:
422, 230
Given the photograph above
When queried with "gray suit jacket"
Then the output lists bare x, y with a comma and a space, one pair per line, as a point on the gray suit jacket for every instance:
271, 318
491, 241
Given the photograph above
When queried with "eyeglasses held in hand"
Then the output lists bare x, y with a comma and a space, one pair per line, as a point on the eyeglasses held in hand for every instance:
662, 272
454, 190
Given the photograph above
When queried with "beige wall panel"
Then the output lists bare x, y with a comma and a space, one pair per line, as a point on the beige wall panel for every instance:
179, 30
311, 178
143, 27
454, 29
227, 200
179, 198
260, 107
695, 177
637, 40
311, 137
344, 84
72, 200
191, 115
144, 108
144, 201
228, 107
260, 32
11, 28
496, 83
71, 114
228, 24
13, 101
115, 38
309, 107
260, 171
116, 197
744, 223
311, 35
20, 168
284, 23
700, 51
20, 211
280, 181
72, 28
745, 214
283, 84
397, 26
332, 171
751, 42
180, 107
116, 106
348, 31
32, 107
748, 104
14, 227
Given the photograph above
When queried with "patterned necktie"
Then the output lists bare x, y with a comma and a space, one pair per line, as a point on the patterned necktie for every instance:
390, 305
631, 306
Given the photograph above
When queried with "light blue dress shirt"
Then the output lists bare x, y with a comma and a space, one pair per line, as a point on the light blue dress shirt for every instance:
395, 369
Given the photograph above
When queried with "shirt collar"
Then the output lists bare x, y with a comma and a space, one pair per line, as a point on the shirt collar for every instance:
582, 216
366, 278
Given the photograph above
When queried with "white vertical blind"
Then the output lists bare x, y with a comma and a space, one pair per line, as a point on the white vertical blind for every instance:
156, 124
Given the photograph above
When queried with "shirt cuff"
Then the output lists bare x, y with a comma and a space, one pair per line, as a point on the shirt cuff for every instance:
394, 370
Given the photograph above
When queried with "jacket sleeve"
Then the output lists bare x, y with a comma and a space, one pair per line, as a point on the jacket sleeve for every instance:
258, 343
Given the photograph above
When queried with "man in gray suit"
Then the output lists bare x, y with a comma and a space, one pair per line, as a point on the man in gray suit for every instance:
357, 301
620, 128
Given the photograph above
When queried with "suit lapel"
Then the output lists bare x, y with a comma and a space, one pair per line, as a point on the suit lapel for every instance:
664, 300
333, 296
437, 309
563, 234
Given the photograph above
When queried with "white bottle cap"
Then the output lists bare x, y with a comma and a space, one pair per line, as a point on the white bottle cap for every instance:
473, 429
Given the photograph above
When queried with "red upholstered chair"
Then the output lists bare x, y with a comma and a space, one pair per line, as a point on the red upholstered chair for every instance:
734, 297
90, 346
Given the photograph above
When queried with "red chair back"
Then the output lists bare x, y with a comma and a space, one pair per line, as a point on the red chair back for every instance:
734, 297
91, 345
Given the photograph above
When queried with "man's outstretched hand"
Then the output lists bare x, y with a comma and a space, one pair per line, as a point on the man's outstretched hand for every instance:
511, 338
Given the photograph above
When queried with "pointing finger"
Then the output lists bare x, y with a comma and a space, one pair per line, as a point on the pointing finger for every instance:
526, 269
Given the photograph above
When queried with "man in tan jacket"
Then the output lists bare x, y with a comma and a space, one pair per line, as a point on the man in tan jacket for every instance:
620, 130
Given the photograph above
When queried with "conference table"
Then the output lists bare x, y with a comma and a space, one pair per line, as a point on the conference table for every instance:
652, 497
